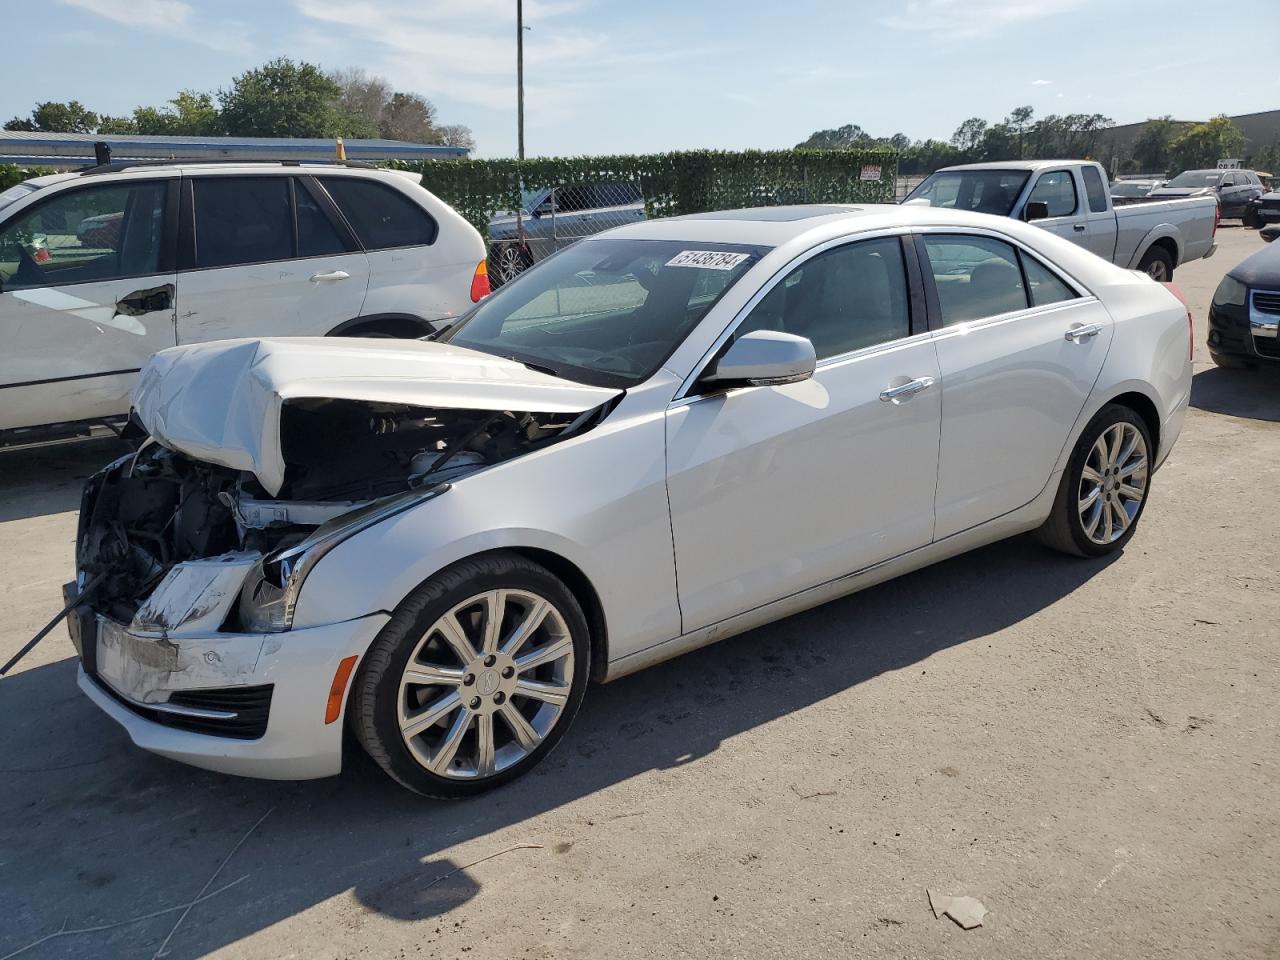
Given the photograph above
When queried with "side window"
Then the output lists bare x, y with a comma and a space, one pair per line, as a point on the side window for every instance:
1095, 189
1229, 180
1045, 286
88, 235
1058, 189
242, 220
845, 299
316, 234
573, 199
381, 216
976, 277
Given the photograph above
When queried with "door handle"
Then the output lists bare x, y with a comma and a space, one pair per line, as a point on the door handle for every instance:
1082, 332
1078, 228
331, 275
146, 301
906, 391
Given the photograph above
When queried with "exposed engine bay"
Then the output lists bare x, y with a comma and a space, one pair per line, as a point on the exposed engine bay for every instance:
158, 508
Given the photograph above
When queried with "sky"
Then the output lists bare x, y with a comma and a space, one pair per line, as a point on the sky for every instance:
608, 76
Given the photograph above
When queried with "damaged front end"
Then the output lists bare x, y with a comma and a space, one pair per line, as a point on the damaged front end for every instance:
177, 546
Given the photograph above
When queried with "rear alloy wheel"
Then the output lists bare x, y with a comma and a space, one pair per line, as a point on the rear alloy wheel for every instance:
507, 261
475, 678
1157, 264
1104, 488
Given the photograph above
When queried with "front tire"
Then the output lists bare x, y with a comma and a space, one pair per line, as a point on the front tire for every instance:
475, 678
1157, 264
1104, 488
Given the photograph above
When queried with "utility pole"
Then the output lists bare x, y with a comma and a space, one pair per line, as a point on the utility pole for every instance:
520, 79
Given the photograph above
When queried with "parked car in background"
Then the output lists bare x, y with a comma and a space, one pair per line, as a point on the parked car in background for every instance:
1234, 189
666, 435
100, 269
1070, 198
1244, 317
1263, 211
551, 219
1127, 191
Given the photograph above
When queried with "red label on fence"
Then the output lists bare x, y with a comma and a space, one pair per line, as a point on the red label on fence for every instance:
870, 172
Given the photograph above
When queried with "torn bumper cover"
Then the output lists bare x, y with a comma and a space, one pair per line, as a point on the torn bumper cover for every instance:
173, 696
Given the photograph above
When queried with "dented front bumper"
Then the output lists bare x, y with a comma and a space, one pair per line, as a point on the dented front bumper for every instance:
178, 695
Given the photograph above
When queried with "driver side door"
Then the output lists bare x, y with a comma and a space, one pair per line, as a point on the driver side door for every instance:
86, 296
776, 489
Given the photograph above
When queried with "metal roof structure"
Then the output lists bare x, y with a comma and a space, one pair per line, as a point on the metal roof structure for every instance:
70, 150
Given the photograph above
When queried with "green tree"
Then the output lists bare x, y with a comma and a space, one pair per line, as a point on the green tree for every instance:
455, 135
968, 136
52, 117
189, 114
1018, 120
1151, 149
362, 100
1204, 144
839, 138
282, 99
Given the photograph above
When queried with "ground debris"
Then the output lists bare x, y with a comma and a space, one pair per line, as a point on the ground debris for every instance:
966, 911
810, 796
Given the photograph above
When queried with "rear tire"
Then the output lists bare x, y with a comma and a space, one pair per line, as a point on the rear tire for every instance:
1250, 218
452, 714
1157, 264
1104, 488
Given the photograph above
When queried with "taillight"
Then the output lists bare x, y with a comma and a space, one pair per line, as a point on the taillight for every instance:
480, 282
1217, 215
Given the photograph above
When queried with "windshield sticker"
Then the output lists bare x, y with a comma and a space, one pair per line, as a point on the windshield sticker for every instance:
707, 259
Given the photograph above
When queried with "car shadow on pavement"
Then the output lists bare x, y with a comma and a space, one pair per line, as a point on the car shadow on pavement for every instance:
93, 830
26, 489
1252, 394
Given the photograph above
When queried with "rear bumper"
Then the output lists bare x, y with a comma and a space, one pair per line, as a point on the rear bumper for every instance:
298, 664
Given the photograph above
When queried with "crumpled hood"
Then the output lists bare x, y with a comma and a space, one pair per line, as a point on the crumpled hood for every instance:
221, 401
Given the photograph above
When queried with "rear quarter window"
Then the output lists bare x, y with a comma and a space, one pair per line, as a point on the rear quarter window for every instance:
382, 217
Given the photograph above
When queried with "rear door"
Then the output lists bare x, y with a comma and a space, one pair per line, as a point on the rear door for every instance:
1100, 237
86, 296
412, 270
263, 257
1019, 348
1057, 189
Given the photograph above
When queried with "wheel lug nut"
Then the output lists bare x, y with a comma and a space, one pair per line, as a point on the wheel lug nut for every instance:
490, 660
508, 672
468, 680
475, 702
499, 698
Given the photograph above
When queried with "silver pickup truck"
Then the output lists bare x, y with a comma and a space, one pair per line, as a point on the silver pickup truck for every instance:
1070, 197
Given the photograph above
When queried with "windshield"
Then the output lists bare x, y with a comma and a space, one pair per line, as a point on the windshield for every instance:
1196, 178
16, 193
1132, 188
605, 312
982, 191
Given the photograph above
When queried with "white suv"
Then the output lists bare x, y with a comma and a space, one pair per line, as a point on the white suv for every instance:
100, 269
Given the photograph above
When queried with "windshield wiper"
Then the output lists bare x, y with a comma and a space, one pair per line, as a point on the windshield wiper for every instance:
534, 366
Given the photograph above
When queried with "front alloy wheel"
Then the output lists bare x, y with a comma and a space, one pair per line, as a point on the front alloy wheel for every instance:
475, 677
486, 684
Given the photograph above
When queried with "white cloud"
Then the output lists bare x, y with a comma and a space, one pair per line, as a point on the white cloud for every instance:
964, 19
1041, 83
170, 17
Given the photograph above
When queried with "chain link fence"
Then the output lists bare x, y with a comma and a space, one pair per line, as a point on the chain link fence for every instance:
529, 209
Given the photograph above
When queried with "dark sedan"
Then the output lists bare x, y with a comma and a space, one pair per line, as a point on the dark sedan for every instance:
1244, 318
1235, 189
1264, 211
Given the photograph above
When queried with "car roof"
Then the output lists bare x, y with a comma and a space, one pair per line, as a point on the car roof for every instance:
1015, 165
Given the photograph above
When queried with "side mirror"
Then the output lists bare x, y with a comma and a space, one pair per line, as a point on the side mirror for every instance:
763, 358
1035, 210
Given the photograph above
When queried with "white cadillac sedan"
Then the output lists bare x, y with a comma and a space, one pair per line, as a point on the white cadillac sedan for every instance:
658, 438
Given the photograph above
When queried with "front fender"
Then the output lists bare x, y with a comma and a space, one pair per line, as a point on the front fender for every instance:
597, 500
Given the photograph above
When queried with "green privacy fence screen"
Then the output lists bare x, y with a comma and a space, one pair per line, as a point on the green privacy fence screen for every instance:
691, 181
11, 174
